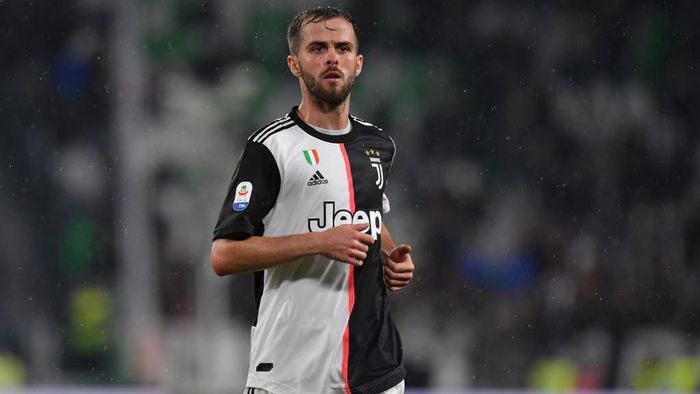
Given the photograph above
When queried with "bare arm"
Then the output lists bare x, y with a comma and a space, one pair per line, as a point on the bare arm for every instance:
398, 264
343, 243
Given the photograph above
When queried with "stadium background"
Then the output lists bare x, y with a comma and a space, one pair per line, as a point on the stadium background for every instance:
547, 176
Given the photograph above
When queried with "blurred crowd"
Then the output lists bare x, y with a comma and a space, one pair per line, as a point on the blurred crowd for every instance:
547, 176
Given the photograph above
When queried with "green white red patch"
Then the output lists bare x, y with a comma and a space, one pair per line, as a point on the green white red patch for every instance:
311, 157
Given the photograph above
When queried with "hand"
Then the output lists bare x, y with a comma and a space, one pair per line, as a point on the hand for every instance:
347, 243
398, 267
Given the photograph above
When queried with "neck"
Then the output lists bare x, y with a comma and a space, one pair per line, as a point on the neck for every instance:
322, 115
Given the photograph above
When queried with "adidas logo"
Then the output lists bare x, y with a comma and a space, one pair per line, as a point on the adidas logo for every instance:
317, 179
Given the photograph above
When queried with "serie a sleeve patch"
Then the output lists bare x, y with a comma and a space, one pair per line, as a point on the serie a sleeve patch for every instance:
242, 197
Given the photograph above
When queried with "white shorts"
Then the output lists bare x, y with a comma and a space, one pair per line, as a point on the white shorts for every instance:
398, 389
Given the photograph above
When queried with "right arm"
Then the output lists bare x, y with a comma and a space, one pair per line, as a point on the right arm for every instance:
345, 243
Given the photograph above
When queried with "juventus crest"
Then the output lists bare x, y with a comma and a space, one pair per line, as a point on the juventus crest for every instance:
377, 164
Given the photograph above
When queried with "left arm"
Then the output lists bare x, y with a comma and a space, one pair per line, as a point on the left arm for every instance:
398, 265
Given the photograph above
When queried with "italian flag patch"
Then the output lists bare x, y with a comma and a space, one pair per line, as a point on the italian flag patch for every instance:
311, 156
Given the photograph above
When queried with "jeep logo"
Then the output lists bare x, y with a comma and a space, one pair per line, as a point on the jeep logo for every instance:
333, 218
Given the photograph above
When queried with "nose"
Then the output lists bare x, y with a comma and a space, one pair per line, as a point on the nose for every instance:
332, 58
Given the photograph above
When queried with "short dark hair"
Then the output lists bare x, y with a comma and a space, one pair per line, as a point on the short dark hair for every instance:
313, 15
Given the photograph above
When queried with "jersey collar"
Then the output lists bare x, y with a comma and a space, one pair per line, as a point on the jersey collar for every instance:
325, 137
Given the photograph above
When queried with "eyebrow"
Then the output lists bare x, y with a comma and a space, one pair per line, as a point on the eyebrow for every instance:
325, 43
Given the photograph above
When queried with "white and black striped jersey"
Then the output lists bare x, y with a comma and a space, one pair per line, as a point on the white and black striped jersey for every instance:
322, 326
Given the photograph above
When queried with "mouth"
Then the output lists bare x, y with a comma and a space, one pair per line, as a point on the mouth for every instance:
332, 75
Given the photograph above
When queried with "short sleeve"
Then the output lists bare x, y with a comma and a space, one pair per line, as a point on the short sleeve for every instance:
251, 195
385, 204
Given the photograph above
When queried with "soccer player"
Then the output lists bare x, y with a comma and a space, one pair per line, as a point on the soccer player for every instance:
304, 212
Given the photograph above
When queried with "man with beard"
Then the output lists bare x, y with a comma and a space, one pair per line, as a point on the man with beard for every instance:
304, 212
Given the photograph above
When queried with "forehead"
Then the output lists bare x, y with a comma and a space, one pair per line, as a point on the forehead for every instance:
335, 30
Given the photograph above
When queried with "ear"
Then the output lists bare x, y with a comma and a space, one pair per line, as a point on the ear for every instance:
358, 64
293, 64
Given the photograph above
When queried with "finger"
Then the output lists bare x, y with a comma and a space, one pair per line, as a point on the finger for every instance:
396, 287
397, 283
361, 246
366, 239
404, 267
399, 275
399, 251
361, 227
385, 257
353, 260
389, 263
399, 267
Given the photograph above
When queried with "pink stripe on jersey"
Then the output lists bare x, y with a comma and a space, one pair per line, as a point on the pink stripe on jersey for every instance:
351, 276
348, 172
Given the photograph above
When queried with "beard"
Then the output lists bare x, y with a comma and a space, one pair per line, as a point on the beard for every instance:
332, 98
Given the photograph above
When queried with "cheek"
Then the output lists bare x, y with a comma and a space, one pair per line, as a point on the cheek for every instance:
311, 63
352, 64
